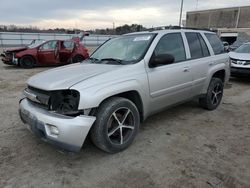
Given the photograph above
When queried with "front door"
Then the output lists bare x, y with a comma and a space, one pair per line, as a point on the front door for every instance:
47, 53
170, 84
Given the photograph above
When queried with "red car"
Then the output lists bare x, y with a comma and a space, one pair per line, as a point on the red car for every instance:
46, 53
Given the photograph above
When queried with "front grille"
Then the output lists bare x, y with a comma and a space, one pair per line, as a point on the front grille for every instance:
9, 55
38, 96
236, 61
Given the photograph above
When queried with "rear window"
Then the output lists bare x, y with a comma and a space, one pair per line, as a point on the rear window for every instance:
68, 44
216, 43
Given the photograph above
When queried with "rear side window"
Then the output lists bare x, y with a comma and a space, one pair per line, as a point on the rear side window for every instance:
215, 42
68, 45
171, 43
204, 47
197, 45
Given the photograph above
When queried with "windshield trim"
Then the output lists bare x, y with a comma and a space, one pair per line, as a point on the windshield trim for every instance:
137, 34
37, 44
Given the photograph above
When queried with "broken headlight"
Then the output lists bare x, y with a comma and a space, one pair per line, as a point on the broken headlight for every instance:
64, 102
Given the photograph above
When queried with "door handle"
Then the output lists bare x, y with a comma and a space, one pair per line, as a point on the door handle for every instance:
186, 69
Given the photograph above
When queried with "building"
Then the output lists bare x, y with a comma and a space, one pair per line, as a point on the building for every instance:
232, 24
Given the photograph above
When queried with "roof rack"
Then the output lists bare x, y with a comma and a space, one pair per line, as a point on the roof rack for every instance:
178, 27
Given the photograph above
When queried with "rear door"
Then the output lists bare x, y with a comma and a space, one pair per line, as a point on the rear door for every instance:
199, 60
170, 83
66, 50
47, 53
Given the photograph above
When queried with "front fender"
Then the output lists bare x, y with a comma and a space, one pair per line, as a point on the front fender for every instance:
29, 52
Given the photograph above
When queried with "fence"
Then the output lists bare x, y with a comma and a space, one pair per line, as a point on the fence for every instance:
21, 39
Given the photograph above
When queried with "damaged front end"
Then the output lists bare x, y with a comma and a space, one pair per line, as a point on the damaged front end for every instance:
54, 116
9, 58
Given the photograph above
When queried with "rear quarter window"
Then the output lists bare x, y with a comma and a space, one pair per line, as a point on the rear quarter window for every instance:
216, 43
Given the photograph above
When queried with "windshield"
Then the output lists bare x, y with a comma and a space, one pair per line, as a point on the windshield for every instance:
245, 48
35, 43
125, 49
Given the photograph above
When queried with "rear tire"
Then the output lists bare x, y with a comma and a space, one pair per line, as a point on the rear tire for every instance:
27, 62
213, 96
117, 123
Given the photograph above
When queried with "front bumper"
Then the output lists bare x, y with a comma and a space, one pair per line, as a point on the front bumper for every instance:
240, 71
8, 60
71, 131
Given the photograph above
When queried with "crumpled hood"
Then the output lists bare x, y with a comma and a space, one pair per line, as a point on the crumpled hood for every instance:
240, 56
16, 49
67, 76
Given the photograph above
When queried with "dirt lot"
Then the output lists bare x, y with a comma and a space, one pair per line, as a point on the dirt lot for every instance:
185, 146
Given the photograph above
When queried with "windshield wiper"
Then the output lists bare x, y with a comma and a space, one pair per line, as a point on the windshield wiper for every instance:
93, 59
113, 59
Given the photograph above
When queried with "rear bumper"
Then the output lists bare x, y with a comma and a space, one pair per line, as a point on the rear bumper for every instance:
65, 132
240, 71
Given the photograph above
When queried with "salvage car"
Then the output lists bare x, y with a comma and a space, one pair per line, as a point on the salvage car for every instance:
46, 53
125, 80
240, 60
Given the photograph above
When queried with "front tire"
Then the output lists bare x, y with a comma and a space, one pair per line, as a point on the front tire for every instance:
213, 96
117, 123
27, 62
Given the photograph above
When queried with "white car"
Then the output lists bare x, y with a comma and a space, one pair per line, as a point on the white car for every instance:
240, 60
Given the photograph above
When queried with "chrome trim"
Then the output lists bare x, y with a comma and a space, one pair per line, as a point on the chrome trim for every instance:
31, 96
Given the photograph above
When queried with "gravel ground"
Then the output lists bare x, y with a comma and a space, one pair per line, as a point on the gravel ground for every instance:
185, 146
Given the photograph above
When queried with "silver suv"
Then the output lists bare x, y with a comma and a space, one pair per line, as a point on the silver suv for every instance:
124, 81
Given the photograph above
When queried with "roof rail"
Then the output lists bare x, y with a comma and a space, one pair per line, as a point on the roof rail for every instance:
178, 27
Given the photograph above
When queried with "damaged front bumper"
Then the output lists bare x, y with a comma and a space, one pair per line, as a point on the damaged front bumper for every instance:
65, 132
9, 60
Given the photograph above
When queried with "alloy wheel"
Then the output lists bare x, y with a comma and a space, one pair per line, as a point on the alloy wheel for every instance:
216, 94
121, 126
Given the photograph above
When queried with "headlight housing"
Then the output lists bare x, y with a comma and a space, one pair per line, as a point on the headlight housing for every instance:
64, 102
60, 101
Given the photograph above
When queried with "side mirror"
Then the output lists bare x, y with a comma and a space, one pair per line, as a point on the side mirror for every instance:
161, 59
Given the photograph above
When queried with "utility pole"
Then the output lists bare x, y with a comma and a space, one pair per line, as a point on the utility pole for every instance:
181, 13
197, 3
113, 27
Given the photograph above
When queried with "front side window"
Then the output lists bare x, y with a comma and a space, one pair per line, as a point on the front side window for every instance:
127, 49
216, 43
197, 45
172, 44
51, 45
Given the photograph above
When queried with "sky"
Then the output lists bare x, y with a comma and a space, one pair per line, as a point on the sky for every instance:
92, 14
